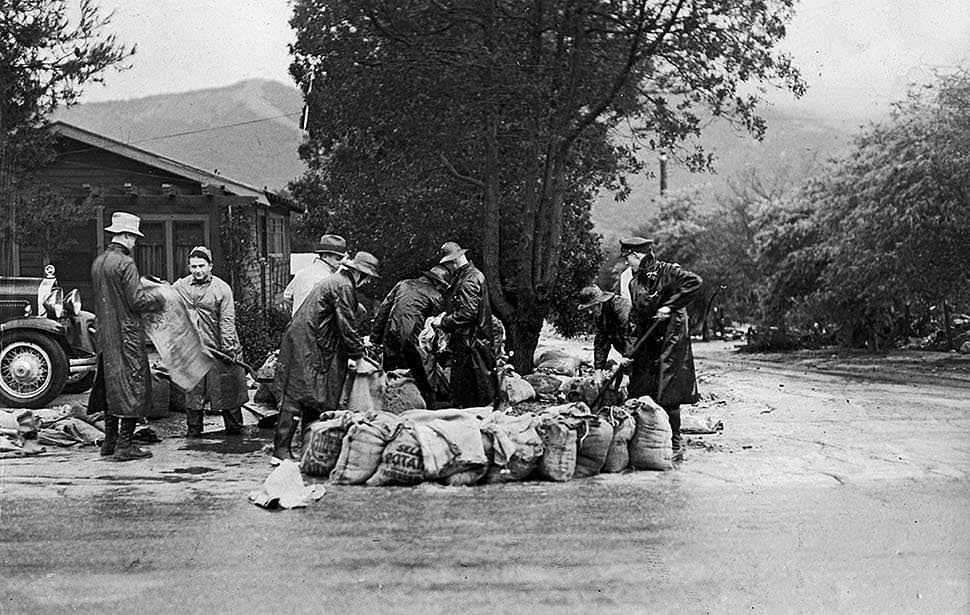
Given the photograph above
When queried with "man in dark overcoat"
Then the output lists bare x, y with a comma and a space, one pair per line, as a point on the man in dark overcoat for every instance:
122, 387
611, 319
316, 348
468, 320
400, 320
663, 368
213, 312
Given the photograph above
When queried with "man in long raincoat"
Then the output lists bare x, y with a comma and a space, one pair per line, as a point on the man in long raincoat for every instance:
122, 387
400, 319
331, 249
663, 368
213, 312
316, 348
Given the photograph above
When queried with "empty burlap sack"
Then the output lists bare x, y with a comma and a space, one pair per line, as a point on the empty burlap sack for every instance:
474, 473
401, 462
558, 462
401, 394
364, 387
594, 437
618, 456
558, 362
650, 448
544, 384
321, 450
360, 451
516, 447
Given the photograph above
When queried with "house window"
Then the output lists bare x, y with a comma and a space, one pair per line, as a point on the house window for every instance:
164, 251
275, 235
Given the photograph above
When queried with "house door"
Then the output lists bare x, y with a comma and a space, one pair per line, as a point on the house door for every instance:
164, 250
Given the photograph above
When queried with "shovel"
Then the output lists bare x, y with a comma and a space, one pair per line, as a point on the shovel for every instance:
612, 381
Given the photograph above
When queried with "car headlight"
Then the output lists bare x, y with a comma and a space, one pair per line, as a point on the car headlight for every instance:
54, 305
72, 303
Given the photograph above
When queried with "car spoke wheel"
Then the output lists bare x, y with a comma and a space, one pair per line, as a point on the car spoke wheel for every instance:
33, 369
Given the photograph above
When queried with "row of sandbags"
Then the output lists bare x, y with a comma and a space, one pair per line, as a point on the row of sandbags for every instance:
476, 445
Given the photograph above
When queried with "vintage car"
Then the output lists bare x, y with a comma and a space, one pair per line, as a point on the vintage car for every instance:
47, 343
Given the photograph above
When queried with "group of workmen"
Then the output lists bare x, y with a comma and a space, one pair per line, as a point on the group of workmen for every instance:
648, 328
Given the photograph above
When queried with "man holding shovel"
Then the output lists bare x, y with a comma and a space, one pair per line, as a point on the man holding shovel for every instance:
663, 365
213, 312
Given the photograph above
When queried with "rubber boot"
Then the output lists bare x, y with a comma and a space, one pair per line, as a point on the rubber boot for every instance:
110, 435
193, 420
285, 429
676, 439
233, 420
126, 449
308, 416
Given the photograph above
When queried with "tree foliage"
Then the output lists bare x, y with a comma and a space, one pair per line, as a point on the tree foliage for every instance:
881, 235
49, 49
495, 123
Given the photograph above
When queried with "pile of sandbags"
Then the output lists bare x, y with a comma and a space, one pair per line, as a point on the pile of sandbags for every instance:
480, 446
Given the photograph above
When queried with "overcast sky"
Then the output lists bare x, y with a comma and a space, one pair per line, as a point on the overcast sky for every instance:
856, 55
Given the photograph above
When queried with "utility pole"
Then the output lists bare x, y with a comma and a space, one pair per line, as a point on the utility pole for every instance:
663, 172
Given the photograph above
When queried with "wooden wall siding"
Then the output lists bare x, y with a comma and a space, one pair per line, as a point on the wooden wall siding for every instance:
78, 164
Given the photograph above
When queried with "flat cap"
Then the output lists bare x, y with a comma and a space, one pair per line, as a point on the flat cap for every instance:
635, 244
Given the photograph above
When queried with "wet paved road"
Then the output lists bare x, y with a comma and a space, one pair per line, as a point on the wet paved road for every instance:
823, 495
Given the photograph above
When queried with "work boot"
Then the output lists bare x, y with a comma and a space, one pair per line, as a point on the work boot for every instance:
110, 435
677, 443
283, 438
194, 418
126, 449
233, 420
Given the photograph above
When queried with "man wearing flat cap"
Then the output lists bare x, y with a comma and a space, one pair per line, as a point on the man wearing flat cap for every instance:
468, 318
663, 368
317, 346
122, 387
399, 322
331, 250
213, 312
611, 317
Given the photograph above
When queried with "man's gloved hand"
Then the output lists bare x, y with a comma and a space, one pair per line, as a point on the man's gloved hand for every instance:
351, 364
625, 364
663, 313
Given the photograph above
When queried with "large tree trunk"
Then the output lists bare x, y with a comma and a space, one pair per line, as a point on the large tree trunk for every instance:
524, 337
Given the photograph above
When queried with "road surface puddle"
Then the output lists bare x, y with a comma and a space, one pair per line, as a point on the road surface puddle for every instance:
227, 446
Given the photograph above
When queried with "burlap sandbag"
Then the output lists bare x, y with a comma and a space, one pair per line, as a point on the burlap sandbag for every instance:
618, 455
360, 451
401, 394
594, 437
516, 389
401, 462
558, 462
544, 384
475, 473
516, 447
324, 441
558, 362
650, 448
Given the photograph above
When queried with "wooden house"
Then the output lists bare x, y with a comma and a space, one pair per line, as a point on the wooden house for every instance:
180, 206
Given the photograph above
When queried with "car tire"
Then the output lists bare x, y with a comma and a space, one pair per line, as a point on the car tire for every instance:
33, 369
79, 385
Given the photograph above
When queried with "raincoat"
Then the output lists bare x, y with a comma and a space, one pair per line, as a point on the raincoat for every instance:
613, 328
303, 282
469, 321
663, 368
317, 344
122, 386
213, 312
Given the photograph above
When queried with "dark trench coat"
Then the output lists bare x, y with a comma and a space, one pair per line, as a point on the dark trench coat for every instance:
613, 330
469, 321
122, 386
663, 368
316, 346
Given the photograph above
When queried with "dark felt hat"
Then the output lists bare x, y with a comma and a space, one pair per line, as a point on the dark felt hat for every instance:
438, 274
333, 244
364, 262
591, 295
635, 244
449, 251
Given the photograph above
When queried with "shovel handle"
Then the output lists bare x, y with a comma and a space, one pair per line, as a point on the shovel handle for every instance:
611, 382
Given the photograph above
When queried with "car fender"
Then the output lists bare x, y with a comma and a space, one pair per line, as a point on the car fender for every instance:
45, 325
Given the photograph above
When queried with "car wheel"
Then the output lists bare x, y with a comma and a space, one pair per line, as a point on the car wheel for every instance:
33, 369
79, 383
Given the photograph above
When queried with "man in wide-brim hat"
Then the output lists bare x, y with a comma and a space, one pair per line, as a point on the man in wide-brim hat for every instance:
663, 367
611, 318
400, 320
468, 319
331, 250
122, 387
316, 348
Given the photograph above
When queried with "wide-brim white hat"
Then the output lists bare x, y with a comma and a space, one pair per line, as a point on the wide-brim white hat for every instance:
123, 222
